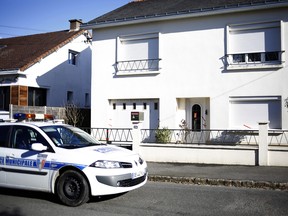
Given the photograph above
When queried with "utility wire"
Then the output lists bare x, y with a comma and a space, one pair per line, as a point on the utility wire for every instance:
23, 28
8, 34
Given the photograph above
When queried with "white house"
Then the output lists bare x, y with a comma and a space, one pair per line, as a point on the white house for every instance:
48, 69
216, 64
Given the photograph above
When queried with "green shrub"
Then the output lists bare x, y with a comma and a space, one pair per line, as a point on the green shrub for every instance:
163, 135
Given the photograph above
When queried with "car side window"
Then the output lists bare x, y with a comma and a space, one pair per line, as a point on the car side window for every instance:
4, 136
24, 137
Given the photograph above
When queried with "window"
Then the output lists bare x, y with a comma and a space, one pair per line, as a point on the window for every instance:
256, 44
24, 137
69, 96
138, 53
254, 57
4, 138
271, 56
155, 106
87, 100
73, 57
134, 106
4, 98
36, 96
124, 106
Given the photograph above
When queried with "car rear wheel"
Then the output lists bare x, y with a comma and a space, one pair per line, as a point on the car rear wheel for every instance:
72, 188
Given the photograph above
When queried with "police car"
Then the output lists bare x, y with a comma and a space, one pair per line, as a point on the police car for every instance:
64, 160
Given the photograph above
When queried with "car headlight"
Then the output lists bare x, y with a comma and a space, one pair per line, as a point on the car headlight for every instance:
106, 164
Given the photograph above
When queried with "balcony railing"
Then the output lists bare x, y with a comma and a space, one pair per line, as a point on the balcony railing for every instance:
138, 65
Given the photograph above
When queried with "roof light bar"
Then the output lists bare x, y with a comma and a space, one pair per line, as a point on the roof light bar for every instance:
32, 116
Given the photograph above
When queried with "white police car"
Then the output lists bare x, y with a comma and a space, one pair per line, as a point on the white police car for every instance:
67, 161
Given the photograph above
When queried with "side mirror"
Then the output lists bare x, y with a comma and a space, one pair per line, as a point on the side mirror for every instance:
38, 147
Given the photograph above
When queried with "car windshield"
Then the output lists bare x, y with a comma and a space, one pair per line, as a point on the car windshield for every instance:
67, 136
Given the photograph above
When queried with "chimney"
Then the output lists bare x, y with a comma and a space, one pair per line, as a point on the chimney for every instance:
75, 24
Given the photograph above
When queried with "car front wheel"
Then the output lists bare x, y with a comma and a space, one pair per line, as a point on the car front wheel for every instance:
72, 188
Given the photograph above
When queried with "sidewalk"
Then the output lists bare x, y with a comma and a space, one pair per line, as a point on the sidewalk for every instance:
238, 176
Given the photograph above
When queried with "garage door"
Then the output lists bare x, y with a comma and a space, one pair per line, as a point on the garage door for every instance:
120, 115
246, 112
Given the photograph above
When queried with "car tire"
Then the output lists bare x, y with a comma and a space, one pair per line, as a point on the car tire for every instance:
72, 188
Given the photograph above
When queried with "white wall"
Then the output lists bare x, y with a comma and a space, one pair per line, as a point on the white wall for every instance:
192, 52
207, 154
199, 154
58, 76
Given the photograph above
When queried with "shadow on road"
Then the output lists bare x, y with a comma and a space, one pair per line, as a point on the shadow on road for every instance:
14, 212
29, 194
47, 197
96, 199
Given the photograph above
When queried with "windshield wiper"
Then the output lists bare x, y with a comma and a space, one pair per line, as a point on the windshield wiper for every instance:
95, 144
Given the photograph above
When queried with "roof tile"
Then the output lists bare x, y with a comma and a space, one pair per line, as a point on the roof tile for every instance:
22, 52
154, 8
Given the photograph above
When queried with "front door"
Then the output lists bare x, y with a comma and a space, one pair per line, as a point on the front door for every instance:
198, 124
196, 117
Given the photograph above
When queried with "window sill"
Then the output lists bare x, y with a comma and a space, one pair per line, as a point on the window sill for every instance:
254, 66
136, 73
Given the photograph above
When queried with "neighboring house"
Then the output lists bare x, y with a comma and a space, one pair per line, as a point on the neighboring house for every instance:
50, 69
216, 64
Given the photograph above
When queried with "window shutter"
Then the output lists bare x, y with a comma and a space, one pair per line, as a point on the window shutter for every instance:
249, 38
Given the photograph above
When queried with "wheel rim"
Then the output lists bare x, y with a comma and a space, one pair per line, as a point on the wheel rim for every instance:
72, 188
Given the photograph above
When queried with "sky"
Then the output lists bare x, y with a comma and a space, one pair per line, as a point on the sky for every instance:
26, 17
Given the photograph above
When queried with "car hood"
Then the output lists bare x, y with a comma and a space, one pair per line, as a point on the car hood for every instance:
101, 152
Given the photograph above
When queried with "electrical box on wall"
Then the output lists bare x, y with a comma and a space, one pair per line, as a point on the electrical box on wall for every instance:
137, 116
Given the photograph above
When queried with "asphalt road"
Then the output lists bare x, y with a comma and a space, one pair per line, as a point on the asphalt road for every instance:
154, 199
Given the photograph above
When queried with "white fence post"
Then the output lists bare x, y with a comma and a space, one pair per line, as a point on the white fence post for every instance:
136, 137
263, 144
11, 111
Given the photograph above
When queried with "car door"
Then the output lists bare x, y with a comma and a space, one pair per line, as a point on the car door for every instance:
4, 141
26, 168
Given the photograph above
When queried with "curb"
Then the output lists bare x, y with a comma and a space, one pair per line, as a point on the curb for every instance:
220, 182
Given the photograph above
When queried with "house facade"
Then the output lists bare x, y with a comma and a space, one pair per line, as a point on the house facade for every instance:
214, 64
50, 69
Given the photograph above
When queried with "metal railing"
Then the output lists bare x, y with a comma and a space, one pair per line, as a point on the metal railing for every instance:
110, 135
180, 136
278, 137
138, 65
211, 137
